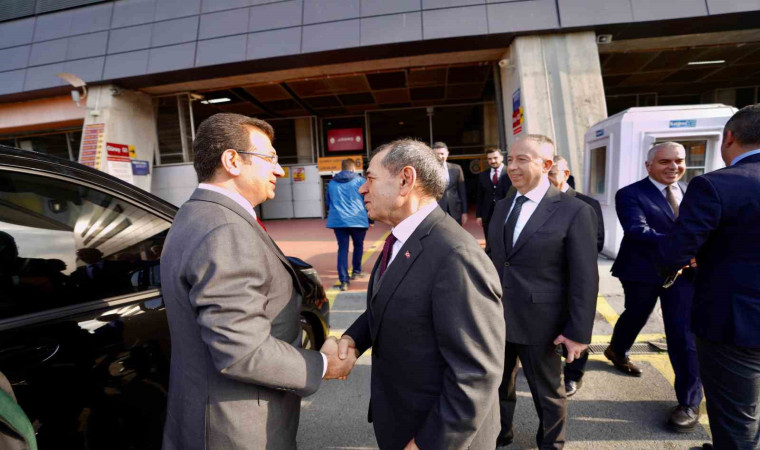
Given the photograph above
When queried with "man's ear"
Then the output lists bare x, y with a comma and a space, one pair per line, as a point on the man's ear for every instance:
728, 138
231, 162
548, 163
408, 179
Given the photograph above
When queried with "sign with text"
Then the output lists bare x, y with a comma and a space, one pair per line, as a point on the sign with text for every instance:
117, 152
345, 139
517, 113
140, 167
299, 174
92, 143
332, 163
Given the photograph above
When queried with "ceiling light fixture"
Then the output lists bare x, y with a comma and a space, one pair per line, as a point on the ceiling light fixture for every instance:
701, 63
211, 101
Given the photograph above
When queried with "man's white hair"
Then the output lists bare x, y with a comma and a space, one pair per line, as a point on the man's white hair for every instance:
660, 145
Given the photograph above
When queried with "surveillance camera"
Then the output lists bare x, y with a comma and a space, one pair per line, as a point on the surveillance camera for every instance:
503, 63
604, 39
76, 96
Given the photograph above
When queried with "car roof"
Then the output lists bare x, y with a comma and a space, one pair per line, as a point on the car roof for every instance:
14, 157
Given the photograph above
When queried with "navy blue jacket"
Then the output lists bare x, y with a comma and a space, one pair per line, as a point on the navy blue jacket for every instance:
719, 223
646, 218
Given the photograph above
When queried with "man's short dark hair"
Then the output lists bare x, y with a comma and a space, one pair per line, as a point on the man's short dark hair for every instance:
440, 144
745, 125
490, 150
416, 154
221, 132
348, 164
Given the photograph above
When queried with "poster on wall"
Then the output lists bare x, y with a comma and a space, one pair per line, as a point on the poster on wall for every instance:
517, 113
344, 139
92, 143
140, 167
332, 164
299, 174
119, 162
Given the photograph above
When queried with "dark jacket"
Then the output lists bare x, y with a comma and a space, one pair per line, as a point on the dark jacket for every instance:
488, 194
454, 200
550, 277
436, 330
719, 223
344, 202
646, 218
597, 210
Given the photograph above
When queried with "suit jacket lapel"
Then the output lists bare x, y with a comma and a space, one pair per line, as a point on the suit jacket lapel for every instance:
657, 197
222, 200
500, 218
545, 209
398, 269
570, 192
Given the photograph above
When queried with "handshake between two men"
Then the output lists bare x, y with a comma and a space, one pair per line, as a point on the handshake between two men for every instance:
341, 357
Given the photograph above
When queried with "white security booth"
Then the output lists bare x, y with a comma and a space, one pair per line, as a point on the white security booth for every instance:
616, 148
297, 195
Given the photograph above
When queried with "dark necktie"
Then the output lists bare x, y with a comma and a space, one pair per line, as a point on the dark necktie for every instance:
671, 198
495, 177
509, 227
387, 251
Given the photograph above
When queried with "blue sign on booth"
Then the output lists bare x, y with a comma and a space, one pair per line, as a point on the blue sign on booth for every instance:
140, 167
691, 123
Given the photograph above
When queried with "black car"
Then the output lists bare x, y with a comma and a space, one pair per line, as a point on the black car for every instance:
84, 338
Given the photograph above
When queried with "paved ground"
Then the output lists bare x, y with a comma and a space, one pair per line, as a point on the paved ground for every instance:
611, 410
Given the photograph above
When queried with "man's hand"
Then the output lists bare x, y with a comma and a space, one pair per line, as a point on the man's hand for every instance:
411, 445
574, 349
479, 221
347, 346
464, 219
337, 368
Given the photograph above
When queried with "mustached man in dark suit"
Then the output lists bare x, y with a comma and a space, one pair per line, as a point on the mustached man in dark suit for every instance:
454, 198
493, 185
647, 211
559, 175
434, 317
543, 244
719, 224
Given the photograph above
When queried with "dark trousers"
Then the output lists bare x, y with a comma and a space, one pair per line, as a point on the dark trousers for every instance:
731, 376
640, 300
486, 223
357, 236
542, 367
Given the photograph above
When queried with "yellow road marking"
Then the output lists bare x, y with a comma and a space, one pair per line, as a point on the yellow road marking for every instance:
606, 310
377, 244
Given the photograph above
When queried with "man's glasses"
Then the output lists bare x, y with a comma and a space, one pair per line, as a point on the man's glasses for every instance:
271, 159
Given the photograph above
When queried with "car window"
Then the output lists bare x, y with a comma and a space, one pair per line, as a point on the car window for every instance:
62, 243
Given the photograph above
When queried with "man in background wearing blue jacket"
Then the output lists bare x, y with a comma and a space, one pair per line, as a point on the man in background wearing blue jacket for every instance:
348, 218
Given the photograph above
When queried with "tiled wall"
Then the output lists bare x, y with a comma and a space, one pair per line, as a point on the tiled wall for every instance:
126, 38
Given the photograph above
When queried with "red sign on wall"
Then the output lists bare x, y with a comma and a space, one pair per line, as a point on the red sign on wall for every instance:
345, 139
117, 152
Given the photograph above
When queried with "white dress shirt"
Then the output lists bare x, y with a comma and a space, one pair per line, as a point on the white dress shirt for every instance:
529, 207
565, 187
661, 187
406, 227
234, 196
246, 205
446, 173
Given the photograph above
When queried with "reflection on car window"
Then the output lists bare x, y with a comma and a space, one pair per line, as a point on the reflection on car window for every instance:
63, 244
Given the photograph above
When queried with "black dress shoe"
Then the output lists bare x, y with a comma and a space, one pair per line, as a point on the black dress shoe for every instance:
707, 446
684, 419
503, 441
571, 387
623, 364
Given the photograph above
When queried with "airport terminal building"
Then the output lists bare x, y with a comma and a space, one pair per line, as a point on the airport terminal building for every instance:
336, 78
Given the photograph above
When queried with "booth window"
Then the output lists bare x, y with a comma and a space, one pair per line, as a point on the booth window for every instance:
696, 152
598, 171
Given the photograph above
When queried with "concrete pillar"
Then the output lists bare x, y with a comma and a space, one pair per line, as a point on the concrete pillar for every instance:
490, 125
552, 85
125, 118
304, 141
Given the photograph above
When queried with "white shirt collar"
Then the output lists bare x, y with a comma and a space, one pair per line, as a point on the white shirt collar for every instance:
660, 187
234, 196
498, 169
406, 227
565, 187
538, 192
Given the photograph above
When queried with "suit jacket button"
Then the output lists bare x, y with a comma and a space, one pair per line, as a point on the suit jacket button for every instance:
506, 264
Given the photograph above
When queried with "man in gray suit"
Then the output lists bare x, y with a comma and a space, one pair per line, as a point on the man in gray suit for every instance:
434, 317
232, 300
454, 198
543, 243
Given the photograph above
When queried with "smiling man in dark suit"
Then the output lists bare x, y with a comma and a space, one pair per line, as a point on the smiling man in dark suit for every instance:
543, 243
434, 318
647, 210
454, 198
493, 185
719, 224
559, 175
